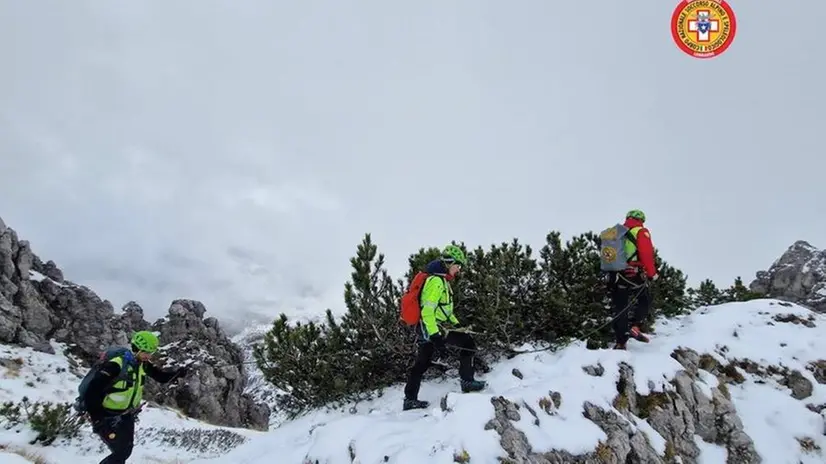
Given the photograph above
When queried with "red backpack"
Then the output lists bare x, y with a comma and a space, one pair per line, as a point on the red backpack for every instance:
411, 310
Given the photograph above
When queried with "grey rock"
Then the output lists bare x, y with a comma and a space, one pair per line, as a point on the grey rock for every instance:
7, 288
36, 315
678, 411
132, 317
801, 386
215, 387
818, 369
32, 313
24, 259
595, 371
689, 359
8, 251
29, 339
715, 419
556, 397
51, 271
616, 427
666, 411
623, 444
798, 276
11, 321
700, 405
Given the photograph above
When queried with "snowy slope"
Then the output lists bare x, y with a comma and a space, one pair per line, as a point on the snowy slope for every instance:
379, 431
163, 436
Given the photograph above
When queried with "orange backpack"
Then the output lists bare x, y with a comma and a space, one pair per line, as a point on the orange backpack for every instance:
411, 310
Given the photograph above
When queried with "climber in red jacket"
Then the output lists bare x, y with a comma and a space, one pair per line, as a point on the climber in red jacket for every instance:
645, 247
629, 288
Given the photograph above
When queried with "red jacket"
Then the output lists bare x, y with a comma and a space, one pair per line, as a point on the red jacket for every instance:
645, 248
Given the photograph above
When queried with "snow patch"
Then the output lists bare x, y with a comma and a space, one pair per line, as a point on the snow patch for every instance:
38, 277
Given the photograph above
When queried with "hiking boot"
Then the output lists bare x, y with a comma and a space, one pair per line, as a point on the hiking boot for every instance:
472, 385
619, 346
414, 404
636, 334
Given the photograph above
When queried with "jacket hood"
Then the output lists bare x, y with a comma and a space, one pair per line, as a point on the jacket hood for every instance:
437, 267
633, 222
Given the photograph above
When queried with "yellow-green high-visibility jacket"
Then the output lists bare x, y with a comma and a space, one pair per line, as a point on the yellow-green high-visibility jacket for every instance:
126, 394
437, 304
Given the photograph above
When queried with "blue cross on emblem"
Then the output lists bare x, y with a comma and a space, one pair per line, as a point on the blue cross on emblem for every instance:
703, 23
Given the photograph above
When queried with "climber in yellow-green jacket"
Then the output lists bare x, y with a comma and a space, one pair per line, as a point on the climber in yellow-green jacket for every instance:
437, 318
112, 391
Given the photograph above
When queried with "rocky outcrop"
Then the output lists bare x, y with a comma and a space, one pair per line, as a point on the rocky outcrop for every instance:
714, 419
624, 443
218, 388
799, 276
678, 412
38, 305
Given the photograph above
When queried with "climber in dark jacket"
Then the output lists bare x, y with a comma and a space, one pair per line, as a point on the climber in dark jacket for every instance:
112, 407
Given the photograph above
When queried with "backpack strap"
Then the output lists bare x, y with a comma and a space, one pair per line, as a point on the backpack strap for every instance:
633, 240
439, 304
122, 375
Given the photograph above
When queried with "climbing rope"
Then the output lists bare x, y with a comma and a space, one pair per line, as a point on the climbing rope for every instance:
633, 300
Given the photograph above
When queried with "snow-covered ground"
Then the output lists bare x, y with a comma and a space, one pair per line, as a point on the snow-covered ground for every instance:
378, 431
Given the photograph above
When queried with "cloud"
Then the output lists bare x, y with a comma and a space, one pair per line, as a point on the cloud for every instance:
237, 153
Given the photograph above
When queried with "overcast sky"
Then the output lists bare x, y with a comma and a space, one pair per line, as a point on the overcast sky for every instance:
236, 152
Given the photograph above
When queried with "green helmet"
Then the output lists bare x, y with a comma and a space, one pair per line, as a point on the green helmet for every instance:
145, 341
454, 253
636, 214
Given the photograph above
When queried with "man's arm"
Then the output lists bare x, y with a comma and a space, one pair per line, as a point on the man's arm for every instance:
162, 376
98, 386
645, 250
452, 317
431, 294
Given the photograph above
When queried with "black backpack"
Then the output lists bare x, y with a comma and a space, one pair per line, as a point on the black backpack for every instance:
105, 356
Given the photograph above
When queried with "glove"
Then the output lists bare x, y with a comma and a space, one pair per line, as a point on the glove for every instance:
438, 340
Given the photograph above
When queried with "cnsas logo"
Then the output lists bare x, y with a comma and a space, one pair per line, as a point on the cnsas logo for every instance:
703, 28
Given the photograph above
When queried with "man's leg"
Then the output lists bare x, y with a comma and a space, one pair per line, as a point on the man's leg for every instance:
119, 435
414, 379
619, 300
642, 306
466, 346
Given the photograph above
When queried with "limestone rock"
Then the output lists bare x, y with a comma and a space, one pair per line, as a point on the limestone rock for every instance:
214, 388
38, 305
799, 276
623, 444
679, 410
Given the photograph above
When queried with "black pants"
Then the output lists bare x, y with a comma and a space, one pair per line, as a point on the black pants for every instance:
118, 433
631, 300
458, 340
